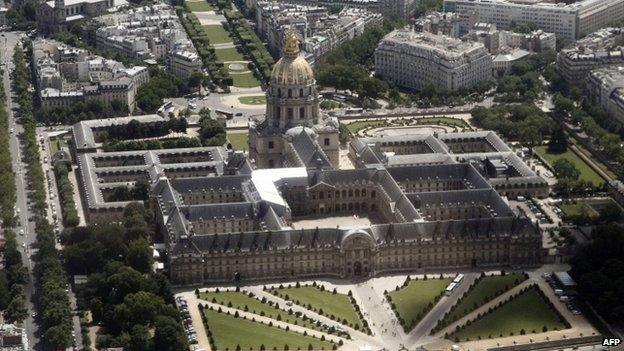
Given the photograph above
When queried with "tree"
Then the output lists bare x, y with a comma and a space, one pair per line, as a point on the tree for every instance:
371, 88
139, 255
169, 335
610, 213
16, 311
563, 105
558, 142
140, 339
566, 170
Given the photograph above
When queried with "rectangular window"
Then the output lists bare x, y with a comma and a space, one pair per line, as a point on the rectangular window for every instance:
326, 141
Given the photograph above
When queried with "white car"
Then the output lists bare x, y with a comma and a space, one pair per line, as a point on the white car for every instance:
21, 232
12, 130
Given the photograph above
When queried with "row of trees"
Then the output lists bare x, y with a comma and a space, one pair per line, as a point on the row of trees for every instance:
66, 194
133, 304
81, 111
170, 143
218, 73
12, 277
251, 44
162, 85
598, 266
52, 298
211, 131
523, 122
137, 130
140, 191
522, 82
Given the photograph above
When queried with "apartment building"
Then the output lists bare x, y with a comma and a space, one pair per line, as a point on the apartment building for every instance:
65, 75
568, 22
148, 32
601, 48
606, 88
412, 60
398, 9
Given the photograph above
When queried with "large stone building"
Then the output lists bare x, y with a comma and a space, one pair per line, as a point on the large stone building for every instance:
413, 60
294, 131
568, 22
59, 15
293, 223
66, 75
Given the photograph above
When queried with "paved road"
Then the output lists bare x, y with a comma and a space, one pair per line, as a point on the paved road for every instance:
9, 40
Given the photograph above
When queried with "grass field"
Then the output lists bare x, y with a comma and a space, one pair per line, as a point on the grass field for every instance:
244, 80
338, 304
577, 207
240, 300
413, 300
355, 127
587, 173
486, 289
230, 332
443, 120
217, 34
238, 140
198, 6
55, 146
252, 100
528, 311
229, 54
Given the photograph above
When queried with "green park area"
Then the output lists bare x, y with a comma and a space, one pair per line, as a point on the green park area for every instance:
238, 140
198, 6
236, 333
413, 301
587, 173
579, 207
217, 34
355, 127
228, 54
323, 302
245, 303
253, 100
486, 289
527, 313
244, 80
449, 121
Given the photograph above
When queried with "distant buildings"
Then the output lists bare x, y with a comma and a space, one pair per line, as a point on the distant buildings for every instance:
413, 60
568, 22
148, 32
398, 9
65, 75
445, 23
318, 30
3, 12
496, 40
601, 48
58, 15
606, 88
13, 338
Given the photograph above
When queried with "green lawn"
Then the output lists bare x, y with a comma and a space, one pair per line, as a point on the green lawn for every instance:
442, 120
55, 146
412, 301
252, 100
338, 305
239, 300
486, 289
198, 6
587, 173
244, 80
528, 311
230, 332
578, 207
238, 140
217, 34
355, 127
229, 54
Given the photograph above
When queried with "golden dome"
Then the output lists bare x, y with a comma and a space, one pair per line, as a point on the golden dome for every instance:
292, 68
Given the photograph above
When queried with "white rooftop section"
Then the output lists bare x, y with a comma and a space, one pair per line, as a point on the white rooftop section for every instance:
267, 181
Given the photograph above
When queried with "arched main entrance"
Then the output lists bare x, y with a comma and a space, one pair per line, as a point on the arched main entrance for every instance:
357, 249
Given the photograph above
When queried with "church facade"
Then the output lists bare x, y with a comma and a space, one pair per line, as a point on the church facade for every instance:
293, 108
